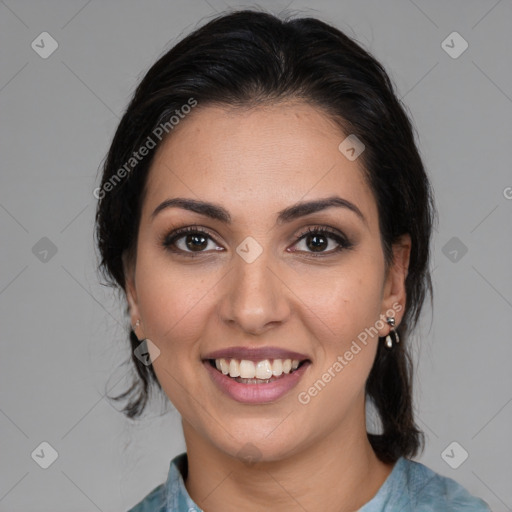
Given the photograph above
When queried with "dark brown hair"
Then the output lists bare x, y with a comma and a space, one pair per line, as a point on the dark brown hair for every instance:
248, 57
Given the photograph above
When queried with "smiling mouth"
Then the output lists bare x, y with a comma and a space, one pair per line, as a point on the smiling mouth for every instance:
245, 371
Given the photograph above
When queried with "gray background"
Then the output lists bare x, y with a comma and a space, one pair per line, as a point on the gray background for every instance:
63, 335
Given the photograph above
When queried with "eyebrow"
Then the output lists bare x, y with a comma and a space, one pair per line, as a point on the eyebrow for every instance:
217, 212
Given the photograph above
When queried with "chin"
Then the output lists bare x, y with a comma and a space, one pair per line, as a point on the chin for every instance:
255, 444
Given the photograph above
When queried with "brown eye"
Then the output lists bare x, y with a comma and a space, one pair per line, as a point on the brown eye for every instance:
189, 240
318, 239
317, 242
196, 241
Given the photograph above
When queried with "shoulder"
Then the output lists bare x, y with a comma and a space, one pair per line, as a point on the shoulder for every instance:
170, 495
429, 490
153, 502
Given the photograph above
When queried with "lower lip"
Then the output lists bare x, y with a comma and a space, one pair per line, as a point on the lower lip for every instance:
256, 393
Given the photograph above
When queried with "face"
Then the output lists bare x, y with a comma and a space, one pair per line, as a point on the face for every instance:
262, 280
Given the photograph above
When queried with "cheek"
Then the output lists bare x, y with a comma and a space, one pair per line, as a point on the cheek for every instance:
173, 304
347, 307
350, 307
344, 303
171, 297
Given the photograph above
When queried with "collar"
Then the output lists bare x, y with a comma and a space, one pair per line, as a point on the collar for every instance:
177, 498
176, 494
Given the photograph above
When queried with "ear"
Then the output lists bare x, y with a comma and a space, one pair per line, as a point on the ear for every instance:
131, 293
394, 293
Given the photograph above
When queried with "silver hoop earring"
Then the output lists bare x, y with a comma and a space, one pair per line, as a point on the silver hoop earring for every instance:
392, 337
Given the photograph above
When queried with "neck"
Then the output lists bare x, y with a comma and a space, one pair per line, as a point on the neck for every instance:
338, 473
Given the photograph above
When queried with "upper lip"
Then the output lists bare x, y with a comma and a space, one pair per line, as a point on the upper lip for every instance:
255, 353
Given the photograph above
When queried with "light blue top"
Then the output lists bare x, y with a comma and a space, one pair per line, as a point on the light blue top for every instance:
410, 486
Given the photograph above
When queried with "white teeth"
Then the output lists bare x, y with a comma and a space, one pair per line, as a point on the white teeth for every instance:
234, 368
262, 370
277, 367
247, 369
224, 368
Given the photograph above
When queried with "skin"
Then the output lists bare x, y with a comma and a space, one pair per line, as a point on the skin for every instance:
255, 162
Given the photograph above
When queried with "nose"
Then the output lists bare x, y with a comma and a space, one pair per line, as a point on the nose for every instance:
255, 298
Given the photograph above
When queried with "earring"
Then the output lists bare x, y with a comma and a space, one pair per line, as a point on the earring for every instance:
393, 335
137, 323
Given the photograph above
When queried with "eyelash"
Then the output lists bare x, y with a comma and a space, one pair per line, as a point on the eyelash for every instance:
169, 239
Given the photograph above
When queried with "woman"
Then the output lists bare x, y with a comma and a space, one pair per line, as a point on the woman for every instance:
265, 210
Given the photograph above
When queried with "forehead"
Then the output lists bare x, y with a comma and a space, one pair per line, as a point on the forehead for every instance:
270, 157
